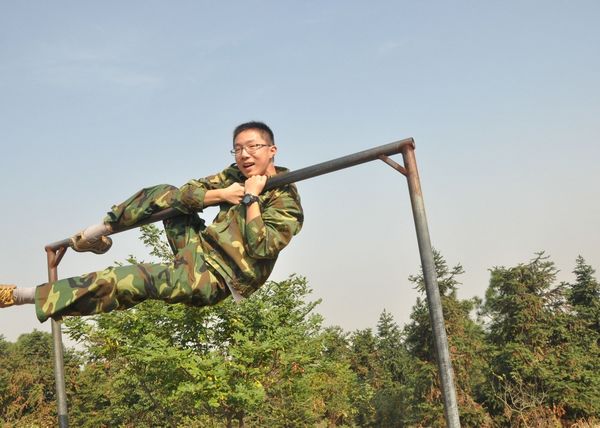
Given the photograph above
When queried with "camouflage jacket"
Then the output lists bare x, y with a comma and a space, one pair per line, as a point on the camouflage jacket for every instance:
245, 253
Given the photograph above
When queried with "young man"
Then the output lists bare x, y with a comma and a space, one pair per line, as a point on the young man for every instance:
234, 255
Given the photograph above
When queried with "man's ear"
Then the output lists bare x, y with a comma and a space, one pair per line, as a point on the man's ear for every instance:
273, 151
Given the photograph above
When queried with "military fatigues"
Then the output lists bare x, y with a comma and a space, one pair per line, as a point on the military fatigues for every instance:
208, 260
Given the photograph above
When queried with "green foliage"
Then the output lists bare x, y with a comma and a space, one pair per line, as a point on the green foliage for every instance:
263, 362
223, 361
584, 296
393, 399
27, 391
545, 368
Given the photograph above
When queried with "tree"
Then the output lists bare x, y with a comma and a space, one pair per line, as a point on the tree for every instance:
5, 397
259, 362
27, 380
344, 395
578, 362
393, 399
584, 296
364, 362
545, 368
263, 362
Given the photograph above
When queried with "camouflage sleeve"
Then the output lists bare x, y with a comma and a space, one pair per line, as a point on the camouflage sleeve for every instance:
192, 193
281, 219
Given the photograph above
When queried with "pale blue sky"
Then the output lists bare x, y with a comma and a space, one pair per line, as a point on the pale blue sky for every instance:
502, 98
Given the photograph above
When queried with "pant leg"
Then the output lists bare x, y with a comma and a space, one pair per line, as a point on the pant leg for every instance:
187, 279
144, 203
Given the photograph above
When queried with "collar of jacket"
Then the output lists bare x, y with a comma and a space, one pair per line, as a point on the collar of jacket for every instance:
237, 175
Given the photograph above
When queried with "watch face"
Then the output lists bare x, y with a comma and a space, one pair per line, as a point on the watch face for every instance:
248, 199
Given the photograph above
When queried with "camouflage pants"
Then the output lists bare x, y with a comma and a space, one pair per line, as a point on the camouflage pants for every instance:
186, 280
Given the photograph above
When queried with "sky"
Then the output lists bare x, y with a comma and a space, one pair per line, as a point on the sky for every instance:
100, 99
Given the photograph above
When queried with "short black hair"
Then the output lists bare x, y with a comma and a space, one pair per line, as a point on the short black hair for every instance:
261, 127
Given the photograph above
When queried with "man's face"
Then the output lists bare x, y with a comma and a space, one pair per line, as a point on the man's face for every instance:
259, 162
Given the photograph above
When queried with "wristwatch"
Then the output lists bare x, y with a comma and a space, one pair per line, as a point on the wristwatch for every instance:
249, 199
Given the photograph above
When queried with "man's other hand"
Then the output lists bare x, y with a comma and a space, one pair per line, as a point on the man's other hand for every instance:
233, 194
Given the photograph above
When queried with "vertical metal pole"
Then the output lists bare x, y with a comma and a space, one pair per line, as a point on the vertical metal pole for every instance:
59, 371
436, 314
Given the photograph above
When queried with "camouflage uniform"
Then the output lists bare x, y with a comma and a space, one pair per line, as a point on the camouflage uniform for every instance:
207, 259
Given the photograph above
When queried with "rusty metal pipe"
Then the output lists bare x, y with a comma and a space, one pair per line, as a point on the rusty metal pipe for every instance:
436, 315
54, 258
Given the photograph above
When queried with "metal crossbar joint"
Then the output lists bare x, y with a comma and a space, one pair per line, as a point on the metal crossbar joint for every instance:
394, 165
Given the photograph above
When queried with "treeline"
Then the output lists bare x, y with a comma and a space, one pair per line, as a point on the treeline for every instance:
526, 355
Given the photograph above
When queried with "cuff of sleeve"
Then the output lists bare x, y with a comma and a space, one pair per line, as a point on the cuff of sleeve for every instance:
193, 198
40, 300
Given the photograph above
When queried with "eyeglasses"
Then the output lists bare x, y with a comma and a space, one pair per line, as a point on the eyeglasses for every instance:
250, 149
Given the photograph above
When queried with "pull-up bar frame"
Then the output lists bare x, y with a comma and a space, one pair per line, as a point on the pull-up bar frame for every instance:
56, 251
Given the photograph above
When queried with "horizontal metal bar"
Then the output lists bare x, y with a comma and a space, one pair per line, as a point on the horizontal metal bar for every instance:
284, 179
339, 163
